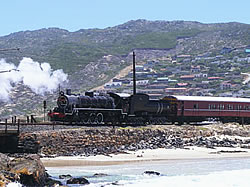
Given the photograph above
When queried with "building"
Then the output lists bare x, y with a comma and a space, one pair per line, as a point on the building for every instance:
139, 68
187, 77
113, 85
225, 85
140, 82
226, 50
214, 78
123, 81
173, 91
195, 69
162, 80
179, 85
247, 50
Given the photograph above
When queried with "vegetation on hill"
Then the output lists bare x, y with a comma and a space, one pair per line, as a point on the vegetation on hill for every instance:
67, 50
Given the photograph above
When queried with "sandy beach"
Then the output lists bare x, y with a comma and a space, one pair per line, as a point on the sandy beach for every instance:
160, 154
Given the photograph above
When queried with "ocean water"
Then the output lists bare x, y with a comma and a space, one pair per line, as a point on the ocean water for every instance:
175, 173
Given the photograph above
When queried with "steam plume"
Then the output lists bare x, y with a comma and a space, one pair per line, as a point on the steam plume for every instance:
40, 78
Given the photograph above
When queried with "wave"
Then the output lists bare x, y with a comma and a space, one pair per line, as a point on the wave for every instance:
235, 178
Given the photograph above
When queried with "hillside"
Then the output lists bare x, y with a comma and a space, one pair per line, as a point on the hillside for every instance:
92, 57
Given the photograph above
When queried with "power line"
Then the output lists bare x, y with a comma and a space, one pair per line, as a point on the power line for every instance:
10, 49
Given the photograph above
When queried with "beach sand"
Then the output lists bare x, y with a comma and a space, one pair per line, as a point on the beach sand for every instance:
161, 154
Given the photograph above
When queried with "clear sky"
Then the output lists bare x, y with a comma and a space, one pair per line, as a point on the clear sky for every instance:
21, 15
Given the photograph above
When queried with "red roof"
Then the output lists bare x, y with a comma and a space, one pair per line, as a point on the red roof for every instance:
187, 76
182, 84
214, 78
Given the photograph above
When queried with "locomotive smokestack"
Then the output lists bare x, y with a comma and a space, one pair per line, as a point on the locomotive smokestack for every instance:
134, 76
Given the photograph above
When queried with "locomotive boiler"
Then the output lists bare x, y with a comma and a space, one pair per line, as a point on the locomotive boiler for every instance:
70, 101
86, 109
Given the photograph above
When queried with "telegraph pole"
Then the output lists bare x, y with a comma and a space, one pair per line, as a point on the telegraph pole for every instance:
134, 75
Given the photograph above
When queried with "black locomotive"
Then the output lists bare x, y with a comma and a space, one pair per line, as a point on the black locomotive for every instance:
111, 108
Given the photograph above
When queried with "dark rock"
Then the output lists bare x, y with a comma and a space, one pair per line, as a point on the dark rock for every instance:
27, 170
52, 182
151, 173
77, 181
30, 169
234, 151
115, 183
100, 175
65, 176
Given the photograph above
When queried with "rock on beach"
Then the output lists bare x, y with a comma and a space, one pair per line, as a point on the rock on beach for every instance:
28, 170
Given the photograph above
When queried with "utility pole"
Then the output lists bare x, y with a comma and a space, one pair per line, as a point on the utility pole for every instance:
44, 109
134, 75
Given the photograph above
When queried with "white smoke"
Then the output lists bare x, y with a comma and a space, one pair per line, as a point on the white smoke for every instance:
40, 78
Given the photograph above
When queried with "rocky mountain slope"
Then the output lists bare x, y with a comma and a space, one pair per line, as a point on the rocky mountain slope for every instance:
91, 57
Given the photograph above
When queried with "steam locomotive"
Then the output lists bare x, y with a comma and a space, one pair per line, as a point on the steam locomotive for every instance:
111, 108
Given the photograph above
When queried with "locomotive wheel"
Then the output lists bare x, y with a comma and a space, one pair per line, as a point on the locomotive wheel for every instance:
92, 118
99, 118
85, 118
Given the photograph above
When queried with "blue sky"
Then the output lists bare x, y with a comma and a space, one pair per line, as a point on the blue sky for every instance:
21, 15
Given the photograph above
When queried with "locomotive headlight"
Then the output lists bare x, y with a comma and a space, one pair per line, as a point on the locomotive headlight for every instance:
62, 101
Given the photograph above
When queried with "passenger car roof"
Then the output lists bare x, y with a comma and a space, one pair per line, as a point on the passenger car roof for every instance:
211, 99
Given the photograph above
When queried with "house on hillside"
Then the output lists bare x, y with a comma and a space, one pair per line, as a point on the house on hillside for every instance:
181, 85
140, 83
123, 81
226, 50
113, 85
139, 68
225, 85
162, 80
247, 50
214, 78
187, 77
195, 69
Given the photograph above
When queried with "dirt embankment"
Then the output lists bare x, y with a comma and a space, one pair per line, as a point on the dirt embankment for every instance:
124, 72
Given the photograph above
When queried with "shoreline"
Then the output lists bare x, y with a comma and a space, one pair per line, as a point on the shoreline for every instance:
148, 155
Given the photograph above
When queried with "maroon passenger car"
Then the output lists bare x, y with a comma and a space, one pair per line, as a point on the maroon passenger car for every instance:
200, 108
